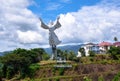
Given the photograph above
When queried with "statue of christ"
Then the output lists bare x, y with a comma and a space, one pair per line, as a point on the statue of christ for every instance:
53, 39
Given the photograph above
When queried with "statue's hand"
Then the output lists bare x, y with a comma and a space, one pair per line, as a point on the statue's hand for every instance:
58, 18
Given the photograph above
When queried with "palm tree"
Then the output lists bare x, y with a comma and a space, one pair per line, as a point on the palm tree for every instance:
115, 39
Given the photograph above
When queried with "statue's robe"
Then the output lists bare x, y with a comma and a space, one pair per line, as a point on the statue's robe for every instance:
53, 39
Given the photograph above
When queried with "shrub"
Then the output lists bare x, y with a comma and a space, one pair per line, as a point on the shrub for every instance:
100, 78
114, 51
61, 71
57, 79
92, 53
104, 61
45, 56
85, 60
87, 78
32, 69
117, 77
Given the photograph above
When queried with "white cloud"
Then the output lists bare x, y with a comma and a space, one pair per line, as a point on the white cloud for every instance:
29, 37
18, 25
90, 24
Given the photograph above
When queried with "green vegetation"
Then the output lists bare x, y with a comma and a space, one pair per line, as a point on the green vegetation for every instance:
29, 64
87, 79
61, 71
92, 53
117, 77
67, 55
21, 62
82, 50
100, 78
115, 52
1, 69
32, 69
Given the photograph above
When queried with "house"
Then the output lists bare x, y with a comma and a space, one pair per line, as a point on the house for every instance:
104, 46
116, 44
100, 48
89, 47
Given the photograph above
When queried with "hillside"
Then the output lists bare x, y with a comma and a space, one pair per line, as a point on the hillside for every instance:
78, 72
98, 68
2, 53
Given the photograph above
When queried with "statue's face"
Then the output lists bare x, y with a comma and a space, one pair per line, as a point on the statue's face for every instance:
51, 24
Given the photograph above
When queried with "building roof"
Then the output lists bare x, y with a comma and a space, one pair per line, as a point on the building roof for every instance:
105, 44
116, 44
90, 44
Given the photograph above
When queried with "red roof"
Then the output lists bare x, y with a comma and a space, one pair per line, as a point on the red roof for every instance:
116, 44
105, 44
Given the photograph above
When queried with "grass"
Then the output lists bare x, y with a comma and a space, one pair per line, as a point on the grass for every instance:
47, 62
69, 77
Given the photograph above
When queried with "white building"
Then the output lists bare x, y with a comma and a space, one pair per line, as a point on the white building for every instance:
100, 48
89, 47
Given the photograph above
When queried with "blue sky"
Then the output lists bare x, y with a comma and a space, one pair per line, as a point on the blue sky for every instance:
50, 9
82, 21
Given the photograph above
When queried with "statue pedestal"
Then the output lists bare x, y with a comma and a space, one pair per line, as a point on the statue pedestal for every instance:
62, 63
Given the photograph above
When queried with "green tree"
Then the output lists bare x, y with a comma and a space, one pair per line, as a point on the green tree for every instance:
71, 56
1, 69
45, 56
114, 51
13, 63
10, 72
60, 53
19, 60
30, 55
82, 51
41, 54
65, 53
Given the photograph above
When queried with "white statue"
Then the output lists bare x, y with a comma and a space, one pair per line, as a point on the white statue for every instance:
53, 39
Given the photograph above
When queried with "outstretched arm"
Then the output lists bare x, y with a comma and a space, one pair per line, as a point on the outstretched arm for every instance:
43, 25
57, 25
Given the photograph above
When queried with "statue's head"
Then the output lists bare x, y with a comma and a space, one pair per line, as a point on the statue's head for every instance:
50, 23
